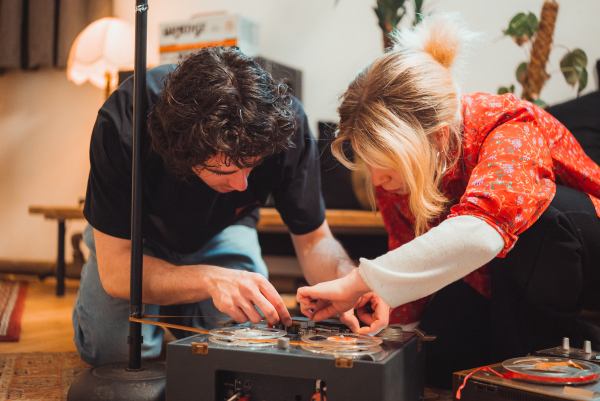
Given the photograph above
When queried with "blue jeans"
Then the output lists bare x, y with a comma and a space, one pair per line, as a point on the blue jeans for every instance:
101, 322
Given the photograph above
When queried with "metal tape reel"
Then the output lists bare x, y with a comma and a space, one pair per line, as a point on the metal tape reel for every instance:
543, 369
328, 339
248, 332
224, 341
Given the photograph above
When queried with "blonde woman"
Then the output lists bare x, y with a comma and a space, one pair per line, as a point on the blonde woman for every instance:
490, 204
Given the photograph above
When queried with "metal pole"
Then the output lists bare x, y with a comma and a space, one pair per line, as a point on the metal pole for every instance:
60, 260
140, 108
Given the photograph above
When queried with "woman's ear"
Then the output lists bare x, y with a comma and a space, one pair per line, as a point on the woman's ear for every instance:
441, 137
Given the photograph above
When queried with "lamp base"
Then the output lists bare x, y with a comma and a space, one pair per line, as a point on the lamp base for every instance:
114, 382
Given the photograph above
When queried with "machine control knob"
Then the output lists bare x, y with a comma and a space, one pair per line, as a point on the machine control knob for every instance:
283, 343
565, 345
303, 325
311, 324
587, 347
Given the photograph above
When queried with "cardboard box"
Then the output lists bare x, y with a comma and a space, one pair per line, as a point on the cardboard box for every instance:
178, 39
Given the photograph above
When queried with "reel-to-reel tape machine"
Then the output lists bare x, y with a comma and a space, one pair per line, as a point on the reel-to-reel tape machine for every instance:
320, 361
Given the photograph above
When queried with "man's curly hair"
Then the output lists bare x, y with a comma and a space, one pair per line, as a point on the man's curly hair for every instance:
220, 101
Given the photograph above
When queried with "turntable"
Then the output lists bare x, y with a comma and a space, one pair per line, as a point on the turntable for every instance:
316, 362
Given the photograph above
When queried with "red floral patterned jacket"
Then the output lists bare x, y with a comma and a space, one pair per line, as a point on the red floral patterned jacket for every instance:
513, 154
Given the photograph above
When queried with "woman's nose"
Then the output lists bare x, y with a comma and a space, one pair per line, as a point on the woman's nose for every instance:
379, 178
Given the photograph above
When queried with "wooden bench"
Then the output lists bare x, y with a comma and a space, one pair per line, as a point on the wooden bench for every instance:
353, 222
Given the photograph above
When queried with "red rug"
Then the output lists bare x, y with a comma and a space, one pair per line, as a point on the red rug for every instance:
12, 299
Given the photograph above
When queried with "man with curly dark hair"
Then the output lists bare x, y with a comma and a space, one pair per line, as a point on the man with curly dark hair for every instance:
222, 136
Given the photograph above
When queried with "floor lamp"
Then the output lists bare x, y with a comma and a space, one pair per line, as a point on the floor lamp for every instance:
133, 380
102, 49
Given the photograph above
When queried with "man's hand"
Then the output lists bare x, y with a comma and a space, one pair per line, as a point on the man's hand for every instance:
237, 292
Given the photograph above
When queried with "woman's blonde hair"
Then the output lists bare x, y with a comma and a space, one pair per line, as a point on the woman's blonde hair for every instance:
393, 107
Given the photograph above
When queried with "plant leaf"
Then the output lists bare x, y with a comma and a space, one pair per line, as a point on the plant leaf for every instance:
503, 89
579, 58
583, 78
387, 13
380, 12
522, 27
533, 22
419, 14
572, 65
418, 6
540, 103
521, 70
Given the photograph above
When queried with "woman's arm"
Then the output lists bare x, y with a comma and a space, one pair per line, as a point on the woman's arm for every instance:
430, 262
419, 268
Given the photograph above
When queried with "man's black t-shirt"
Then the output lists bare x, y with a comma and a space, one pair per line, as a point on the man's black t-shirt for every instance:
185, 215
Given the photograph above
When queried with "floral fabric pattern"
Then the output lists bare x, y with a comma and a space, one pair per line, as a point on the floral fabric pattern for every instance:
514, 153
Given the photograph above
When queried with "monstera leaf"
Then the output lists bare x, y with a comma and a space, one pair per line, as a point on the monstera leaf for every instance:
522, 27
573, 66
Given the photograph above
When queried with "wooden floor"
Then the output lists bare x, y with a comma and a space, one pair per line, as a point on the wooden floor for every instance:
46, 323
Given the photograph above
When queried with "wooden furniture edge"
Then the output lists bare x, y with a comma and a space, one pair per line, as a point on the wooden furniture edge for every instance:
340, 221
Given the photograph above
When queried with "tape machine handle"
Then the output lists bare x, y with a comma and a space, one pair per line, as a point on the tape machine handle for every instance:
423, 337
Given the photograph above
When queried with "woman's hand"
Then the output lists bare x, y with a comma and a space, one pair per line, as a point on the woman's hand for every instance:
377, 316
340, 296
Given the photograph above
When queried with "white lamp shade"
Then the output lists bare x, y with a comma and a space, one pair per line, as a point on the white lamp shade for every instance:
105, 46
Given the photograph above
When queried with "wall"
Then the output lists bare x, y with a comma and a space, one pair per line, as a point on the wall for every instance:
45, 128
46, 121
330, 42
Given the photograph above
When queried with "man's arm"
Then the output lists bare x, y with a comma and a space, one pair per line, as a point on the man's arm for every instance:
234, 292
322, 259
321, 256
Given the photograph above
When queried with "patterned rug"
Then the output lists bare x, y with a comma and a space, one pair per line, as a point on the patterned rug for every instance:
12, 299
38, 376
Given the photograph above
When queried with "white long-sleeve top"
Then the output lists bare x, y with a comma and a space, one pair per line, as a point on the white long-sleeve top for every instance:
428, 263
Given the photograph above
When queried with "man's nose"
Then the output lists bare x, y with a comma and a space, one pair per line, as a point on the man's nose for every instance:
239, 180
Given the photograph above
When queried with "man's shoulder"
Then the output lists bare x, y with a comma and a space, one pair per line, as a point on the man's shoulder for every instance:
118, 108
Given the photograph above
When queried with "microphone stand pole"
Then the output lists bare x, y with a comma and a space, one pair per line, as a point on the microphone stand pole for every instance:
140, 110
133, 380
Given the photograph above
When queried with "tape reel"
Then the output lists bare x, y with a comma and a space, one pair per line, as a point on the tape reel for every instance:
248, 332
552, 370
340, 351
232, 342
348, 341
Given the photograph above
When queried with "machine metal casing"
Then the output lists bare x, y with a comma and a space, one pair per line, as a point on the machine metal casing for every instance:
393, 375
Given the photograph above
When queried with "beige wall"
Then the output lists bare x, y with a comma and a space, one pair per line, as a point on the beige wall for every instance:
330, 44
45, 127
46, 121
